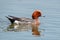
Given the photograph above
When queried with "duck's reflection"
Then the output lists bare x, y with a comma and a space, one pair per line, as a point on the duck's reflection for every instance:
22, 27
35, 30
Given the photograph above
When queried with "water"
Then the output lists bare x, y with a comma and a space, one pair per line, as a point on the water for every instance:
24, 8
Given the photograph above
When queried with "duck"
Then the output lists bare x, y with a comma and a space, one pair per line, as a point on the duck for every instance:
23, 20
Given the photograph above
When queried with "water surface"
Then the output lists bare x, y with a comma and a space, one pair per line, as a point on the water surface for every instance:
50, 24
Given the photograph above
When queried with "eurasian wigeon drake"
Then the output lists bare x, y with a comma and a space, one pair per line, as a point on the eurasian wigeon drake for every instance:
35, 18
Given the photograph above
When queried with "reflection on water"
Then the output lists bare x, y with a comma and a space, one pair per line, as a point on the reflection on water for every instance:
18, 27
21, 27
35, 30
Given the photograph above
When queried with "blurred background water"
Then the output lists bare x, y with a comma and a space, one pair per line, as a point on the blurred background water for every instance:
24, 8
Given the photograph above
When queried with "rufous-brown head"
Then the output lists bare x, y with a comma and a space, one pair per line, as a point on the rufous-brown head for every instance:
36, 14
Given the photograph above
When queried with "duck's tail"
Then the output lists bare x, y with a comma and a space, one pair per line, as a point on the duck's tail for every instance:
10, 19
13, 17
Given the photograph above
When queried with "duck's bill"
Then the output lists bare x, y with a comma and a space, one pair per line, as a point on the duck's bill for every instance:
42, 16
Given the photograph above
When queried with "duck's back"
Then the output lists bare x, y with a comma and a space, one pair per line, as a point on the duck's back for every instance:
24, 20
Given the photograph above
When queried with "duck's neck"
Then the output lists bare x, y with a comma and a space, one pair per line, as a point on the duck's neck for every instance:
37, 22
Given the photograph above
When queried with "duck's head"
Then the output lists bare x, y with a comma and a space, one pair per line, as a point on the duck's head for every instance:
36, 14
